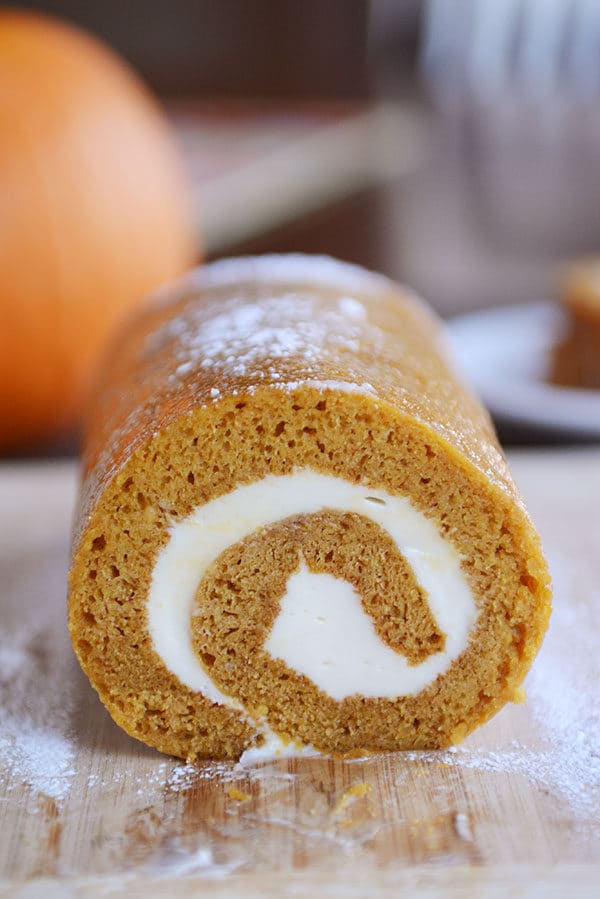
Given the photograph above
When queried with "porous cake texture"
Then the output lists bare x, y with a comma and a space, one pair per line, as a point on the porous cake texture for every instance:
295, 522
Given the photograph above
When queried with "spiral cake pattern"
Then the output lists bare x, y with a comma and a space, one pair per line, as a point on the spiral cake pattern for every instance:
295, 523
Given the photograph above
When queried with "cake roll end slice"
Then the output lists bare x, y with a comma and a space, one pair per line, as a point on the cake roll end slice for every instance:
288, 551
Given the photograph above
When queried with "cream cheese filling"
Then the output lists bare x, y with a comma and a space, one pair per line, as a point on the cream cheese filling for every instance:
321, 630
346, 656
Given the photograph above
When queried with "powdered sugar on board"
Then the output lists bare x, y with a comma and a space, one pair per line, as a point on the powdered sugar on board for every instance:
563, 691
37, 668
35, 733
562, 695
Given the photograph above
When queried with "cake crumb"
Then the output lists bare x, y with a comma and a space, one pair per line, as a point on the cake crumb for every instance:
238, 795
357, 791
459, 733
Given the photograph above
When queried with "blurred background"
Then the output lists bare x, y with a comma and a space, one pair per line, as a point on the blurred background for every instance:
451, 144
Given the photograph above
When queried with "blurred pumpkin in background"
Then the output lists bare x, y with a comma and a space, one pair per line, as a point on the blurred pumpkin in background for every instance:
92, 216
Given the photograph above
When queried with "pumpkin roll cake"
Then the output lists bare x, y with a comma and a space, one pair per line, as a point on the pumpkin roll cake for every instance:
296, 531
577, 356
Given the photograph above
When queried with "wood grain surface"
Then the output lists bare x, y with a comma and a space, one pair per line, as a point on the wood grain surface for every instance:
87, 811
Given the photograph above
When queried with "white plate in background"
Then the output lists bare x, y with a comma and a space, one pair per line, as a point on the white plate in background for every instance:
506, 355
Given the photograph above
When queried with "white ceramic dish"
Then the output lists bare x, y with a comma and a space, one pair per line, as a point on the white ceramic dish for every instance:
505, 353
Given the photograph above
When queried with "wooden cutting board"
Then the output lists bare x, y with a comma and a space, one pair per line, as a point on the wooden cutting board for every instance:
86, 811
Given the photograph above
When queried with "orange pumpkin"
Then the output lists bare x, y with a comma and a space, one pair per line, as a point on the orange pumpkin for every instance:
92, 216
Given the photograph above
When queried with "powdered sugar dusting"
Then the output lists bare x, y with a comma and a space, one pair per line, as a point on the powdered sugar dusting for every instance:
39, 755
12, 660
37, 668
352, 308
242, 326
250, 339
563, 690
36, 704
562, 694
343, 386
323, 271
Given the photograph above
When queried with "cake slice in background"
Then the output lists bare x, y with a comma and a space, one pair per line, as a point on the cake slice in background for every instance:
577, 357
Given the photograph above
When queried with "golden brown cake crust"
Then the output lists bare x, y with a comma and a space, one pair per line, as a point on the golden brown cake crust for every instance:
373, 402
